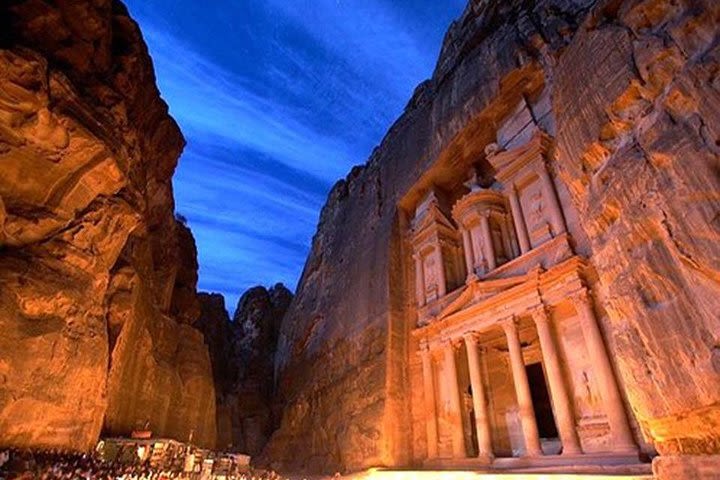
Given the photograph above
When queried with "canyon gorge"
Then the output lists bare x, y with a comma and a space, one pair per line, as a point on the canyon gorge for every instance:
525, 272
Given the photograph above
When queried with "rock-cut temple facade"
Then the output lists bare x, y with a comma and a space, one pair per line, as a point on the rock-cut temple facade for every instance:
526, 271
524, 274
507, 357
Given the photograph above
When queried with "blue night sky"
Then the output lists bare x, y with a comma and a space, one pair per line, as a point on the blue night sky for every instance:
278, 99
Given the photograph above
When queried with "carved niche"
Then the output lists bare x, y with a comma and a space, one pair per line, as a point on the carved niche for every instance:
439, 268
524, 175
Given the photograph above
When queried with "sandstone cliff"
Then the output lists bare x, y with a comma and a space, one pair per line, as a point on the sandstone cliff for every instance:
97, 279
243, 355
630, 92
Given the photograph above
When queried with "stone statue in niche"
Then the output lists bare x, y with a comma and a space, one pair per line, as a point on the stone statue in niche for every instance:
431, 279
480, 263
499, 243
536, 208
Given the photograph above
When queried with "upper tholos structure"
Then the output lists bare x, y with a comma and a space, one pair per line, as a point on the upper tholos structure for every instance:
525, 273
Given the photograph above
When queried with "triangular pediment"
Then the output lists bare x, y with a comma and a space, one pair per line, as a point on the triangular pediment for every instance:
433, 217
478, 291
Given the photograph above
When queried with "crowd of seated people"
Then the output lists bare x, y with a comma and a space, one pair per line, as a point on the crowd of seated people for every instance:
25, 464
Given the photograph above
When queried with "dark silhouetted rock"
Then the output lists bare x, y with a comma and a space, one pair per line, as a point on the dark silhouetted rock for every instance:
243, 356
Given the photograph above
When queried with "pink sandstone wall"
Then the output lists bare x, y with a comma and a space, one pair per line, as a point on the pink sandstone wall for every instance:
629, 90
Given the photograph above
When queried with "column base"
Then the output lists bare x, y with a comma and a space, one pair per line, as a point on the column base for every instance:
574, 453
631, 449
597, 463
533, 454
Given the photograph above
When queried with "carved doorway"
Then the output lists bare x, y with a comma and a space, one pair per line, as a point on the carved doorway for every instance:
541, 402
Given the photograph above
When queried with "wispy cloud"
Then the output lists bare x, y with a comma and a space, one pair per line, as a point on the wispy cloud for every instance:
208, 99
277, 100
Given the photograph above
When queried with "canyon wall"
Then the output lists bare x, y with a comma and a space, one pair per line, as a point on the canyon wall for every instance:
243, 355
630, 92
97, 278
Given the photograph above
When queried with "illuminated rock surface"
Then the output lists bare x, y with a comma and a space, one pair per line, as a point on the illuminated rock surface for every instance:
618, 103
629, 93
97, 278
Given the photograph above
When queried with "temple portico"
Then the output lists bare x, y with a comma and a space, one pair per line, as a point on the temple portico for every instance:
514, 364
524, 336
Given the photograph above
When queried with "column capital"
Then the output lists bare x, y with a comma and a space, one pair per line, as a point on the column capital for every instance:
582, 296
471, 338
540, 313
509, 324
452, 344
425, 347
542, 166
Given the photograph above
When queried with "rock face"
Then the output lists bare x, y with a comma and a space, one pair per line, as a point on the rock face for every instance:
97, 278
629, 91
243, 356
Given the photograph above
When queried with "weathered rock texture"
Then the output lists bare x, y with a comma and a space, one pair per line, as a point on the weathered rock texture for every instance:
630, 91
243, 356
97, 279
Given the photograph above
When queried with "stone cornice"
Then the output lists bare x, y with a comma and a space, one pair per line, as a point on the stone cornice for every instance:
533, 290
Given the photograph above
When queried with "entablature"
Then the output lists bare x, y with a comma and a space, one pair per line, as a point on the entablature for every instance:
477, 309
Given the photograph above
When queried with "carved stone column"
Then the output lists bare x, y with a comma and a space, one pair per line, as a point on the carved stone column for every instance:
430, 410
469, 256
482, 418
454, 413
442, 281
519, 220
522, 390
488, 243
550, 196
419, 280
558, 392
508, 243
623, 440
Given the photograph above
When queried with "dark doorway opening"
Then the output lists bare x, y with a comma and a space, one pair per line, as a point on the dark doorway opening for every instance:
541, 401
473, 447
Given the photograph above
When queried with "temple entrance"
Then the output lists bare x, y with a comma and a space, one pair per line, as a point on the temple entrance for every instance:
541, 401
472, 446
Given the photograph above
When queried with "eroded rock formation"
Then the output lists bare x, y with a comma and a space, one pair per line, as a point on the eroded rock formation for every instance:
97, 278
628, 92
243, 355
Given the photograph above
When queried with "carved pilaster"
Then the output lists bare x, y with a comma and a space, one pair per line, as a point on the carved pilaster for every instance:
429, 395
550, 195
623, 440
519, 220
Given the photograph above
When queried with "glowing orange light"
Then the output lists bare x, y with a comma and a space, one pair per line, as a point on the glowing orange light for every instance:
379, 474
